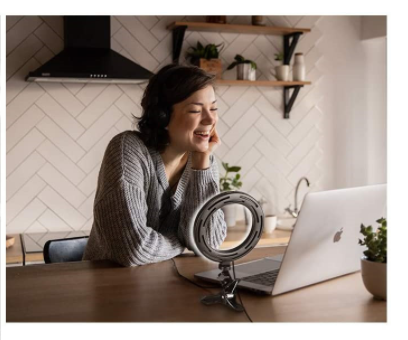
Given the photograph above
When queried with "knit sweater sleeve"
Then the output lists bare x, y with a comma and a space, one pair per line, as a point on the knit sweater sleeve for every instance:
202, 186
121, 215
120, 210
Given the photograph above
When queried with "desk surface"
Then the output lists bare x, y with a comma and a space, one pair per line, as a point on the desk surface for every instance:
103, 291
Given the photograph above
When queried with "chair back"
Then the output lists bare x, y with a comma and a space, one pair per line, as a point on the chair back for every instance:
65, 250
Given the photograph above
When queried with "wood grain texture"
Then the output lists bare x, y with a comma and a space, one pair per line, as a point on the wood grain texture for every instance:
14, 254
9, 241
237, 234
232, 28
102, 291
277, 83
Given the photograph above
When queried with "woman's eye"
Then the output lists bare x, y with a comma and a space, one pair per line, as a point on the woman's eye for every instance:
214, 109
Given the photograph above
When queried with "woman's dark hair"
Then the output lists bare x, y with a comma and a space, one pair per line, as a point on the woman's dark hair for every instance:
171, 85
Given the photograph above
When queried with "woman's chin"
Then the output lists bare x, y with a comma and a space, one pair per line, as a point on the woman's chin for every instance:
202, 147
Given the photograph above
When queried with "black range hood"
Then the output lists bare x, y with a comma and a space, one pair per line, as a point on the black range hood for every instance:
88, 58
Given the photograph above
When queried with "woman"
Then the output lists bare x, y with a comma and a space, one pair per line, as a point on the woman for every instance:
153, 182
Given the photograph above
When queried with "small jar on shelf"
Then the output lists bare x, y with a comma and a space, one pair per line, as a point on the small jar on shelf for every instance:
299, 68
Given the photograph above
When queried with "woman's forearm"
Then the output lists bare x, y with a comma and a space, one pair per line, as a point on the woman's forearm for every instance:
203, 185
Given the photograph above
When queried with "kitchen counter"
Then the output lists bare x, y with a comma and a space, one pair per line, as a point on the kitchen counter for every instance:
14, 254
236, 234
32, 247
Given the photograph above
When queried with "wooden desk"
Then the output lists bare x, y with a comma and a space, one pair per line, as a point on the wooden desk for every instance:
103, 291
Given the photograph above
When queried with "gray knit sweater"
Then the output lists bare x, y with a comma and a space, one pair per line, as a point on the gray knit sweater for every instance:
137, 220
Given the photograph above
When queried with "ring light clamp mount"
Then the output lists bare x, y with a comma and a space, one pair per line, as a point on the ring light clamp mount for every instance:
226, 257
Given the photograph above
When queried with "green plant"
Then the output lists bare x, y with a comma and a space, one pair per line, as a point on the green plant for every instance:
376, 241
239, 59
210, 51
279, 56
227, 182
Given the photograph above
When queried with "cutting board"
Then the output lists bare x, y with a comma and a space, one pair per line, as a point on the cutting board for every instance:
9, 241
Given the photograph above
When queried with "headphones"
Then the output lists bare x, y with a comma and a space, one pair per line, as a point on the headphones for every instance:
163, 114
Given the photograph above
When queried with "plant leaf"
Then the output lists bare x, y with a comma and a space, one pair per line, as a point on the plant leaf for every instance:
239, 58
234, 169
232, 65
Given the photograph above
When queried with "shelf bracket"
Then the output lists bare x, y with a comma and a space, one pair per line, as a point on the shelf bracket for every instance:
289, 47
178, 37
288, 102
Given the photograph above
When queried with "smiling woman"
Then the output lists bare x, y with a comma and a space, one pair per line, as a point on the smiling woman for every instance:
153, 182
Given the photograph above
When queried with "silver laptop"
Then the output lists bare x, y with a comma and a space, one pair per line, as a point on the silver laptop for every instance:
323, 245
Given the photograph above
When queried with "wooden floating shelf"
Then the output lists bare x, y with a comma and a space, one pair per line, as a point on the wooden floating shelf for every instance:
211, 27
260, 83
290, 37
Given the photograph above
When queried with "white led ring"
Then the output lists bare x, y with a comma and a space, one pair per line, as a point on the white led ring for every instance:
217, 202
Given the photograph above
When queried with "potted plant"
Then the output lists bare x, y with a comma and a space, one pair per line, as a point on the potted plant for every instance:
228, 183
246, 69
279, 58
374, 263
206, 57
216, 19
281, 70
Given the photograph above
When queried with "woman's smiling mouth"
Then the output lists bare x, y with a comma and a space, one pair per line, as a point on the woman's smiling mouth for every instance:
203, 135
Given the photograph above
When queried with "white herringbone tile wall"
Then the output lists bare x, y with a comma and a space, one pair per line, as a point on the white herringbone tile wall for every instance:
57, 133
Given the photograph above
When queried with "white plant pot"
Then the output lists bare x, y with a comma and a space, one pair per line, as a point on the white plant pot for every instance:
230, 214
281, 72
375, 278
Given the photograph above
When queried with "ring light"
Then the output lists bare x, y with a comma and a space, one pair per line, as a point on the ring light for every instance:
225, 257
217, 202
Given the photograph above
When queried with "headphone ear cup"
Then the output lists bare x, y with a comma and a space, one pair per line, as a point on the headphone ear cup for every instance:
163, 118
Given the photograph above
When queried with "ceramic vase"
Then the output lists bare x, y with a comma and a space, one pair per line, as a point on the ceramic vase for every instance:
299, 69
375, 278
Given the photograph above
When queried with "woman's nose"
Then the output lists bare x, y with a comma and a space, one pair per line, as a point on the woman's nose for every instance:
209, 118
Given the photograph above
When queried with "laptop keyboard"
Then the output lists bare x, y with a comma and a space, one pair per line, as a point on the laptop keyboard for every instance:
266, 279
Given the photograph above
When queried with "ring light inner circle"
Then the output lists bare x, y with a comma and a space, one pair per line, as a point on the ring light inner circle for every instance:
202, 223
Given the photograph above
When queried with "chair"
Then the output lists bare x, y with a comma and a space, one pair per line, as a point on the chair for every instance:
65, 250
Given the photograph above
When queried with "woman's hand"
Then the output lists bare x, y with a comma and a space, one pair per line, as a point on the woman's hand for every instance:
201, 160
214, 141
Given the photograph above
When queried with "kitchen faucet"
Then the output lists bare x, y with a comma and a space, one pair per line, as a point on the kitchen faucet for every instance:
295, 212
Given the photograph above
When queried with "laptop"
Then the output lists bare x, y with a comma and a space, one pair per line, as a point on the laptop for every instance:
323, 244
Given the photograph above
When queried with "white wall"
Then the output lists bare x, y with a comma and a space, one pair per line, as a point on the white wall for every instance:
376, 75
345, 91
57, 133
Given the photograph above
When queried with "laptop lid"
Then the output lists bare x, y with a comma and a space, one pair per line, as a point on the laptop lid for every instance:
324, 243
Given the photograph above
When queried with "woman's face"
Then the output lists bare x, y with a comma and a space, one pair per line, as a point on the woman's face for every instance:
192, 121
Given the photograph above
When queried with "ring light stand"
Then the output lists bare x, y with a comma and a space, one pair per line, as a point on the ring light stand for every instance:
226, 257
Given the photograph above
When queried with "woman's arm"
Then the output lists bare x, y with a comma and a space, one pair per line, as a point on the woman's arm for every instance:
121, 231
121, 216
202, 186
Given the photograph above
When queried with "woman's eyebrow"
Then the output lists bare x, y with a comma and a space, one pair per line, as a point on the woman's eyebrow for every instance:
201, 103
